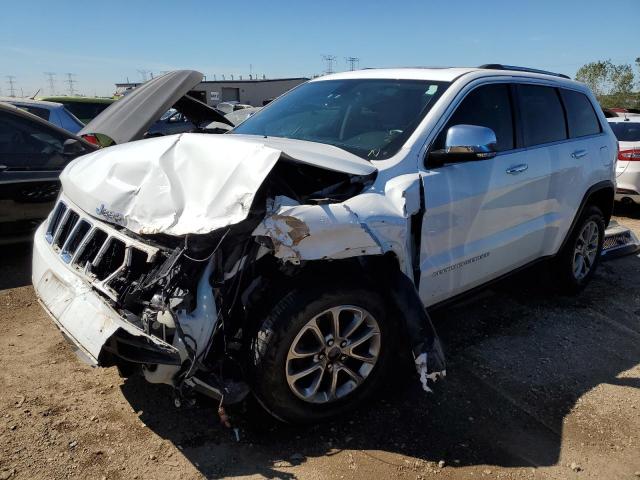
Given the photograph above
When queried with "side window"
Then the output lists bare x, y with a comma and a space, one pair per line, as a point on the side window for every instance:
27, 145
486, 106
581, 117
542, 115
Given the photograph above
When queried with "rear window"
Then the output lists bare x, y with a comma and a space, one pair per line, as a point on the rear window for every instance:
85, 111
43, 113
581, 117
542, 115
626, 131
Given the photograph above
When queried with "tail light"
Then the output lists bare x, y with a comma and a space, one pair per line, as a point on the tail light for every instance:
629, 155
92, 139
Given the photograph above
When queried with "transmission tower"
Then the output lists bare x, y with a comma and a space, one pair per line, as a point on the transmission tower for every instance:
144, 75
353, 62
11, 80
52, 82
70, 81
329, 60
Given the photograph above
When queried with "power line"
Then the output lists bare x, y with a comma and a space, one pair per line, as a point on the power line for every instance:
52, 82
70, 81
353, 62
11, 80
329, 60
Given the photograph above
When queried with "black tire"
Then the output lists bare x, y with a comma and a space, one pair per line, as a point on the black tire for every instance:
270, 346
565, 276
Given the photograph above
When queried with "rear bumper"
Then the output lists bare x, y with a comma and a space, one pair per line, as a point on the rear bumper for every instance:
82, 315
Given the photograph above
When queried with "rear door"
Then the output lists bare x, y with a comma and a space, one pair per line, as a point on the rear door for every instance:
483, 218
587, 157
31, 160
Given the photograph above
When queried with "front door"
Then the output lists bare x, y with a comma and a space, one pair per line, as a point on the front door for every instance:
483, 218
31, 159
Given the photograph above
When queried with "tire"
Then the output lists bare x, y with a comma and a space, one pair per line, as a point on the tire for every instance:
289, 330
572, 280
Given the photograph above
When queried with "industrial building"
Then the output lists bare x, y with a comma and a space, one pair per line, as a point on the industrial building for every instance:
251, 92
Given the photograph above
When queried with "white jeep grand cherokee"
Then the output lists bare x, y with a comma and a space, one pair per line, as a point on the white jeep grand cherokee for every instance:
294, 256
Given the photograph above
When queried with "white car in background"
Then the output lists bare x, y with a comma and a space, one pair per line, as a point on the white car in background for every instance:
627, 131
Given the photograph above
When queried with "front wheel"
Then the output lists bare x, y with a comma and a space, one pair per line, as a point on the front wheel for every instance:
576, 264
320, 352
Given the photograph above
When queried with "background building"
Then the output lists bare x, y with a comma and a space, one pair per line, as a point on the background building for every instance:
251, 92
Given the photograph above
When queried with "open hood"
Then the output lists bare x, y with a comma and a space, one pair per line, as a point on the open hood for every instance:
188, 183
130, 117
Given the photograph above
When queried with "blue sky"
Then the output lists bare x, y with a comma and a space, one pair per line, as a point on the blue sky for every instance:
103, 43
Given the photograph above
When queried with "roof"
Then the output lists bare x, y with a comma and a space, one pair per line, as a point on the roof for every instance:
629, 117
442, 74
30, 101
64, 98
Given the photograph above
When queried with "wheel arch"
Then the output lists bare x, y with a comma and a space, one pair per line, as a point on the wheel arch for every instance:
383, 274
600, 195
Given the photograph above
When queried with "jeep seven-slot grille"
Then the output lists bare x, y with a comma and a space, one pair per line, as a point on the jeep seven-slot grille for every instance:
107, 258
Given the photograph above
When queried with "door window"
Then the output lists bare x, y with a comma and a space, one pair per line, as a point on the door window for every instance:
26, 145
542, 115
581, 117
486, 106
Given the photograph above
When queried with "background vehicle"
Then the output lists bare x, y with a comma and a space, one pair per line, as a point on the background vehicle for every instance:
296, 255
171, 122
32, 155
627, 131
150, 102
231, 106
84, 108
53, 112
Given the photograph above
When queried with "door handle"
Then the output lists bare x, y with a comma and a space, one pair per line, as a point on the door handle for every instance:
3, 168
579, 154
517, 169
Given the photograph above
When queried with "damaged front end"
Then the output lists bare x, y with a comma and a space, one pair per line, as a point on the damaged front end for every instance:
166, 253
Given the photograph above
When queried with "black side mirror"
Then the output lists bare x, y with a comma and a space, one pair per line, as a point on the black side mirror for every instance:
73, 147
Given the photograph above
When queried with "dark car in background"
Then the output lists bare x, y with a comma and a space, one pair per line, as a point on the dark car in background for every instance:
85, 108
53, 112
33, 152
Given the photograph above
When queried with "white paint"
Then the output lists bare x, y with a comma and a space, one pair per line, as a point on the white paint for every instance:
179, 184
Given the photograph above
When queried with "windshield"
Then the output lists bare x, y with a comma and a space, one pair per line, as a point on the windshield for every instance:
626, 131
371, 118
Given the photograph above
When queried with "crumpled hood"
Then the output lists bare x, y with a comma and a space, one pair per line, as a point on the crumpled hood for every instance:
178, 184
187, 183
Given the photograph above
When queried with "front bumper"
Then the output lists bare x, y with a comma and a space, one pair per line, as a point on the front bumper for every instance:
82, 315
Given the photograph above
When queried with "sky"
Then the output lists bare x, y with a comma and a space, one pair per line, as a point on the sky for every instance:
111, 41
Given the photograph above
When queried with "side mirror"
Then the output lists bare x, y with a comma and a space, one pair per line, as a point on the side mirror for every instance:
465, 143
73, 148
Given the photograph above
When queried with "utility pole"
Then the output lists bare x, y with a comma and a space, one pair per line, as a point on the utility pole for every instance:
353, 62
329, 60
52, 82
11, 80
70, 81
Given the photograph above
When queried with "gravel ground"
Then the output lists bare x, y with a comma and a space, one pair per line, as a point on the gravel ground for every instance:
539, 387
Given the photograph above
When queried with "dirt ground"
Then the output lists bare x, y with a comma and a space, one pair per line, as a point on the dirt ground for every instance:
539, 386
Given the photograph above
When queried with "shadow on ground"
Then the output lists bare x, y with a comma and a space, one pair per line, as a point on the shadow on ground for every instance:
15, 265
519, 359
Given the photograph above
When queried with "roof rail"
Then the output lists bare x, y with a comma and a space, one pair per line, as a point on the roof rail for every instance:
498, 66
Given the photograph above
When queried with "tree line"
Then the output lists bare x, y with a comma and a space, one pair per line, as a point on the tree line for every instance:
614, 85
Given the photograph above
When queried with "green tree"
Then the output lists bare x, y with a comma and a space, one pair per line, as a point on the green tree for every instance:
612, 84
595, 75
